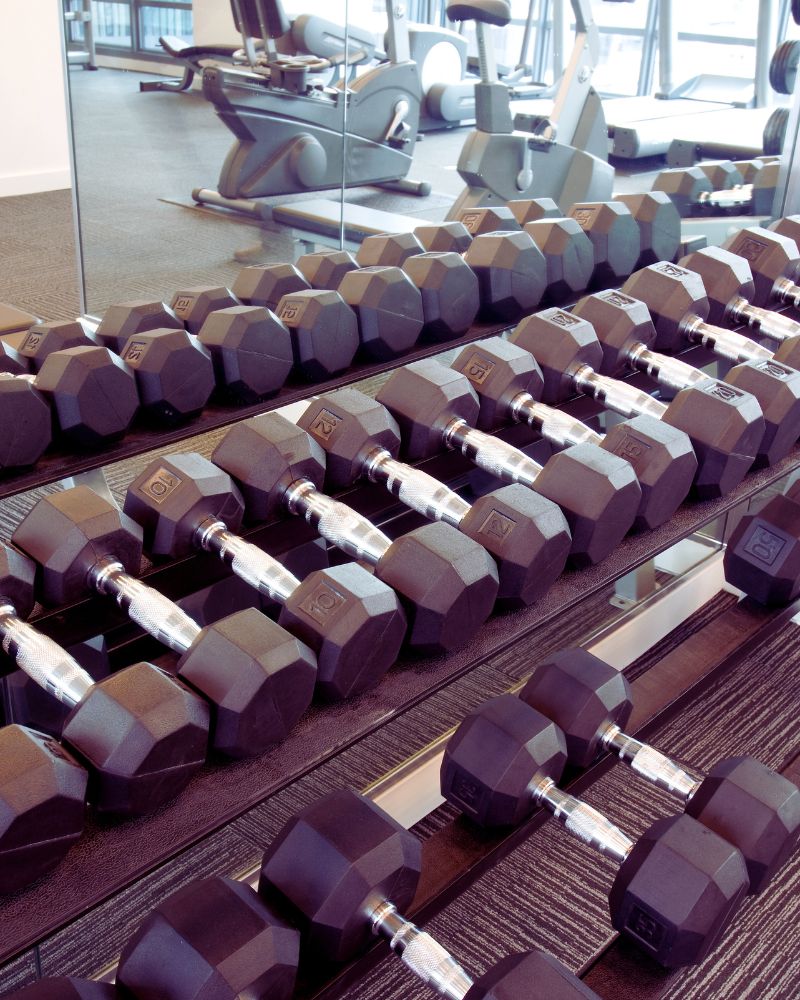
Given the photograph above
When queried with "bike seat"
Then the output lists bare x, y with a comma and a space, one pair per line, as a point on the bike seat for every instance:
497, 12
179, 49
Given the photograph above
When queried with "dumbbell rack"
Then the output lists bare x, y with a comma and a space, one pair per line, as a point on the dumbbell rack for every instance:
80, 888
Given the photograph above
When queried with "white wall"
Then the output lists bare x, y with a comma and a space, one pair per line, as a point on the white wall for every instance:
34, 148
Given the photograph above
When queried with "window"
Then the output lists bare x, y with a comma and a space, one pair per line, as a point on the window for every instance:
136, 25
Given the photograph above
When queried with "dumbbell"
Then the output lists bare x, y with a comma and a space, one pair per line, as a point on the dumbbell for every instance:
258, 678
347, 870
387, 305
65, 988
774, 260
728, 283
509, 384
677, 888
598, 494
525, 533
141, 733
352, 621
724, 425
691, 190
87, 393
678, 307
213, 939
447, 582
762, 556
742, 800
174, 373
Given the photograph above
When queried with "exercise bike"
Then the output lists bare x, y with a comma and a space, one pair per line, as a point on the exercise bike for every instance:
563, 155
294, 134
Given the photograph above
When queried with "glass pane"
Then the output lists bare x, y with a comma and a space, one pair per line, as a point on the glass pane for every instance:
732, 18
157, 21
619, 15
724, 60
617, 72
112, 23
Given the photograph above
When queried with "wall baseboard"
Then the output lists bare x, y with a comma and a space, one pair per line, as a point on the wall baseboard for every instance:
51, 180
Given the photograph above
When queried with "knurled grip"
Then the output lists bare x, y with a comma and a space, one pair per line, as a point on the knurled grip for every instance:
494, 456
555, 426
651, 764
725, 343
339, 524
151, 611
250, 563
773, 325
587, 823
43, 660
416, 489
436, 967
667, 371
616, 395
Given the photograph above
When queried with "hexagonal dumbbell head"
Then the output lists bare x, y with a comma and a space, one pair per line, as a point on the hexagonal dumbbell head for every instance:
723, 174
323, 331
754, 808
23, 408
251, 351
192, 305
511, 979
66, 988
788, 225
389, 310
266, 284
678, 890
42, 794
561, 342
324, 269
498, 372
424, 397
334, 862
568, 253
446, 237
511, 270
11, 361
448, 580
121, 322
659, 223
388, 250
770, 256
494, 788
450, 293
174, 374
488, 219
621, 323
143, 736
614, 236
683, 186
527, 210
45, 338
724, 276
223, 941
762, 557
265, 455
93, 394
673, 295
583, 695
349, 425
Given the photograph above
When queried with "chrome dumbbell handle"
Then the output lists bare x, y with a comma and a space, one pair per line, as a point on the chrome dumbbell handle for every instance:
416, 489
420, 952
616, 395
583, 820
491, 454
43, 660
770, 324
336, 522
248, 562
156, 614
559, 428
650, 763
725, 343
669, 372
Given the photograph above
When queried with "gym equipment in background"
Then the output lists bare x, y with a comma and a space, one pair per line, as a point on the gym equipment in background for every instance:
289, 130
562, 156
